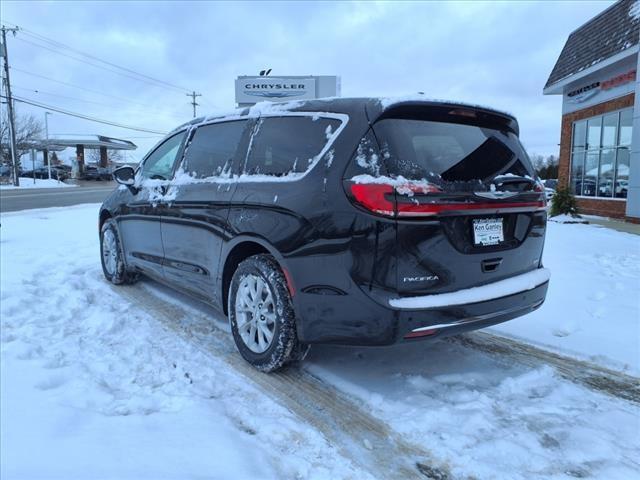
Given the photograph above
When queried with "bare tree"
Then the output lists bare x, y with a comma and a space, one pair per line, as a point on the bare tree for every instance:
112, 155
28, 130
545, 167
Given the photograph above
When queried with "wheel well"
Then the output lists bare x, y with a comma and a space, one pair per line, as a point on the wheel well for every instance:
104, 214
239, 253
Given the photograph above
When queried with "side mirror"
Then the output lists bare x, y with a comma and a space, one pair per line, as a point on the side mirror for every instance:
126, 176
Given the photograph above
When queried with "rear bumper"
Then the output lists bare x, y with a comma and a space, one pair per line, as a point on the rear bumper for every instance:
445, 321
355, 319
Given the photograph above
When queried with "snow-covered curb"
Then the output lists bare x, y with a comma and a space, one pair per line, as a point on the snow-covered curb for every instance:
568, 219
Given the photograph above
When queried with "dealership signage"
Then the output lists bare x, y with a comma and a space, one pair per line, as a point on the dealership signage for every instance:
256, 89
586, 92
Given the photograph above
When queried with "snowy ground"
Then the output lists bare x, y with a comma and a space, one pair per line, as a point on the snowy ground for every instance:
27, 183
592, 308
139, 382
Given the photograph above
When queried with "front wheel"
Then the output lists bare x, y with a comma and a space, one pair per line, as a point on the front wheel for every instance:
261, 314
111, 255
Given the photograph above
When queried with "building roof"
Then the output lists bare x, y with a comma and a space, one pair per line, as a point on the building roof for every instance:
613, 31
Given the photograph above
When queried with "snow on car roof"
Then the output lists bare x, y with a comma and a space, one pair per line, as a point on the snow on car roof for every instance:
328, 104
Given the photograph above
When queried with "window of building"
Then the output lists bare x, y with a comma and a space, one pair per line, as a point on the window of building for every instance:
600, 155
212, 149
284, 145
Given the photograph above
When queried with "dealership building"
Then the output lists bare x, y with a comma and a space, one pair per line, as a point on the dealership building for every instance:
596, 74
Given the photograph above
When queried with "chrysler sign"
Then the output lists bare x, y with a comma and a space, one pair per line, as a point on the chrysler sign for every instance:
257, 89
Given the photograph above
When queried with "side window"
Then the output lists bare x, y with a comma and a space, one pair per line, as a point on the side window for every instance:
160, 163
283, 145
212, 149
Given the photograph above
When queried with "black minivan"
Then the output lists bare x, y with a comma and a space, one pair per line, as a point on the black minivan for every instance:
358, 221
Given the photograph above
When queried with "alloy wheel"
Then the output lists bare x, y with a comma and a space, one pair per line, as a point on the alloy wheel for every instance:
255, 313
109, 251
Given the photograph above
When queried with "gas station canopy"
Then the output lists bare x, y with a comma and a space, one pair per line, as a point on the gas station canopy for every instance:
89, 141
99, 142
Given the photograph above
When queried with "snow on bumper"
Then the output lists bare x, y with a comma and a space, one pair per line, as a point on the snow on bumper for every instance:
502, 288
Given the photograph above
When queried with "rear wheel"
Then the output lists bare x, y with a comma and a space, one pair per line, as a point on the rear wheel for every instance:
111, 255
261, 315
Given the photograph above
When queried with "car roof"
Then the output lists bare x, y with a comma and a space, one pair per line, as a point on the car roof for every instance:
372, 107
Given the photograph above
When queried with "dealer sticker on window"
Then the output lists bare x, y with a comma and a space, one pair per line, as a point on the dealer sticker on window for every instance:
487, 231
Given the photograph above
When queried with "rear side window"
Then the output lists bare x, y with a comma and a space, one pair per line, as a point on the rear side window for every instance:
212, 149
450, 152
284, 145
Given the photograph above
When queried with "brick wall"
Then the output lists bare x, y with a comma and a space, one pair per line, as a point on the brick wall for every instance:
607, 208
604, 208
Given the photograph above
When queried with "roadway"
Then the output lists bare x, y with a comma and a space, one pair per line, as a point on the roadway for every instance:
12, 200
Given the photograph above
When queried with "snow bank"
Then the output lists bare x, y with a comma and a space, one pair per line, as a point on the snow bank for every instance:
27, 183
567, 219
93, 386
502, 288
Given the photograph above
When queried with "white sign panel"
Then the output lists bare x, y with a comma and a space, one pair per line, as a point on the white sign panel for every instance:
257, 89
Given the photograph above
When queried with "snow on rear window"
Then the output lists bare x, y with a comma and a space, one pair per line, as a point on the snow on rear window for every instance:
289, 145
367, 156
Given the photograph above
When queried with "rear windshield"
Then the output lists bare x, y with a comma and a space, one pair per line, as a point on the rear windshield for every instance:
450, 152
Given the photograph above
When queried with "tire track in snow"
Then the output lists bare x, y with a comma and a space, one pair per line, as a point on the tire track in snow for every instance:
592, 376
367, 441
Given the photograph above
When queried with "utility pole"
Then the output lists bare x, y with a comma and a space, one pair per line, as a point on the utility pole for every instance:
46, 152
193, 96
12, 118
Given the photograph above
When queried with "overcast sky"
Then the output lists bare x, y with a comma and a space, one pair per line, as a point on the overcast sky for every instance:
497, 54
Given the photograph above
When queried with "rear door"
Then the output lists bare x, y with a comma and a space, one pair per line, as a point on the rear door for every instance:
468, 207
194, 214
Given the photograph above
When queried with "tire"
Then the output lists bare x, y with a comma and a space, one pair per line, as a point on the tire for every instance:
111, 255
259, 303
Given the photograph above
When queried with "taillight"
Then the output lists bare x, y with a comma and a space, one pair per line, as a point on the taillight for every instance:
420, 199
376, 197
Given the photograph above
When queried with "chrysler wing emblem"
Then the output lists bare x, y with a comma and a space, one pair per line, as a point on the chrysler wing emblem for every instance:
273, 94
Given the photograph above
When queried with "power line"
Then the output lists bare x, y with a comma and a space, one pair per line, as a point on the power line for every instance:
88, 62
93, 57
58, 44
33, 90
40, 92
81, 88
80, 115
